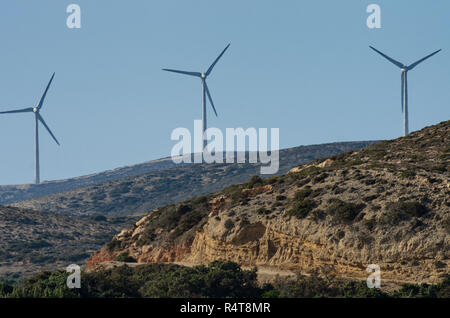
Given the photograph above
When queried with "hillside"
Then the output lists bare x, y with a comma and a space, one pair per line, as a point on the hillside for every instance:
167, 184
15, 193
32, 241
388, 204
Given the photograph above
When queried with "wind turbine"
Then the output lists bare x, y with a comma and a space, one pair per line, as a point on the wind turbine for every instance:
205, 91
38, 118
405, 69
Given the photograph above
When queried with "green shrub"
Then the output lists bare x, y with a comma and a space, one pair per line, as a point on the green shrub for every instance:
125, 257
376, 151
310, 171
255, 182
218, 280
273, 293
343, 212
408, 174
5, 289
45, 285
273, 180
440, 290
360, 290
320, 178
235, 193
187, 222
303, 194
302, 208
410, 208
399, 211
113, 245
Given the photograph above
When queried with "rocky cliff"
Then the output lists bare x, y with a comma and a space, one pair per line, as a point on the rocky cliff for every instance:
387, 204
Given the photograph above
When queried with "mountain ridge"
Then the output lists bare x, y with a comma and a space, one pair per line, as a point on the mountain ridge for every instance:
170, 184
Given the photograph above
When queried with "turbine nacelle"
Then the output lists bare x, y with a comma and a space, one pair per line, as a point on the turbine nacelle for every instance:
405, 69
35, 110
203, 76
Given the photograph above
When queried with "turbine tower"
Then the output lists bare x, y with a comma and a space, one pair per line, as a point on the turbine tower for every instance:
205, 91
38, 118
405, 69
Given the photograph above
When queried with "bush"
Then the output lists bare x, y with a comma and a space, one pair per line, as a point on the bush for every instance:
218, 279
303, 194
187, 222
441, 290
401, 211
411, 208
408, 174
125, 257
360, 290
113, 245
177, 219
255, 182
45, 285
320, 178
234, 192
302, 208
343, 211
5, 289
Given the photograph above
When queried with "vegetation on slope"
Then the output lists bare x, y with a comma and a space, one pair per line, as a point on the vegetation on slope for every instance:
31, 241
217, 280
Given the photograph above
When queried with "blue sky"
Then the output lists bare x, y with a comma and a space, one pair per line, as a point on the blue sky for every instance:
302, 66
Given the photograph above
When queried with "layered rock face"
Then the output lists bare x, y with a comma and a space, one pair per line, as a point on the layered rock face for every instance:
388, 204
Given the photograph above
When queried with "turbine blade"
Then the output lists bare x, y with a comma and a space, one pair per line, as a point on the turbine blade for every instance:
210, 99
45, 125
45, 93
25, 110
388, 58
197, 74
421, 60
217, 59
